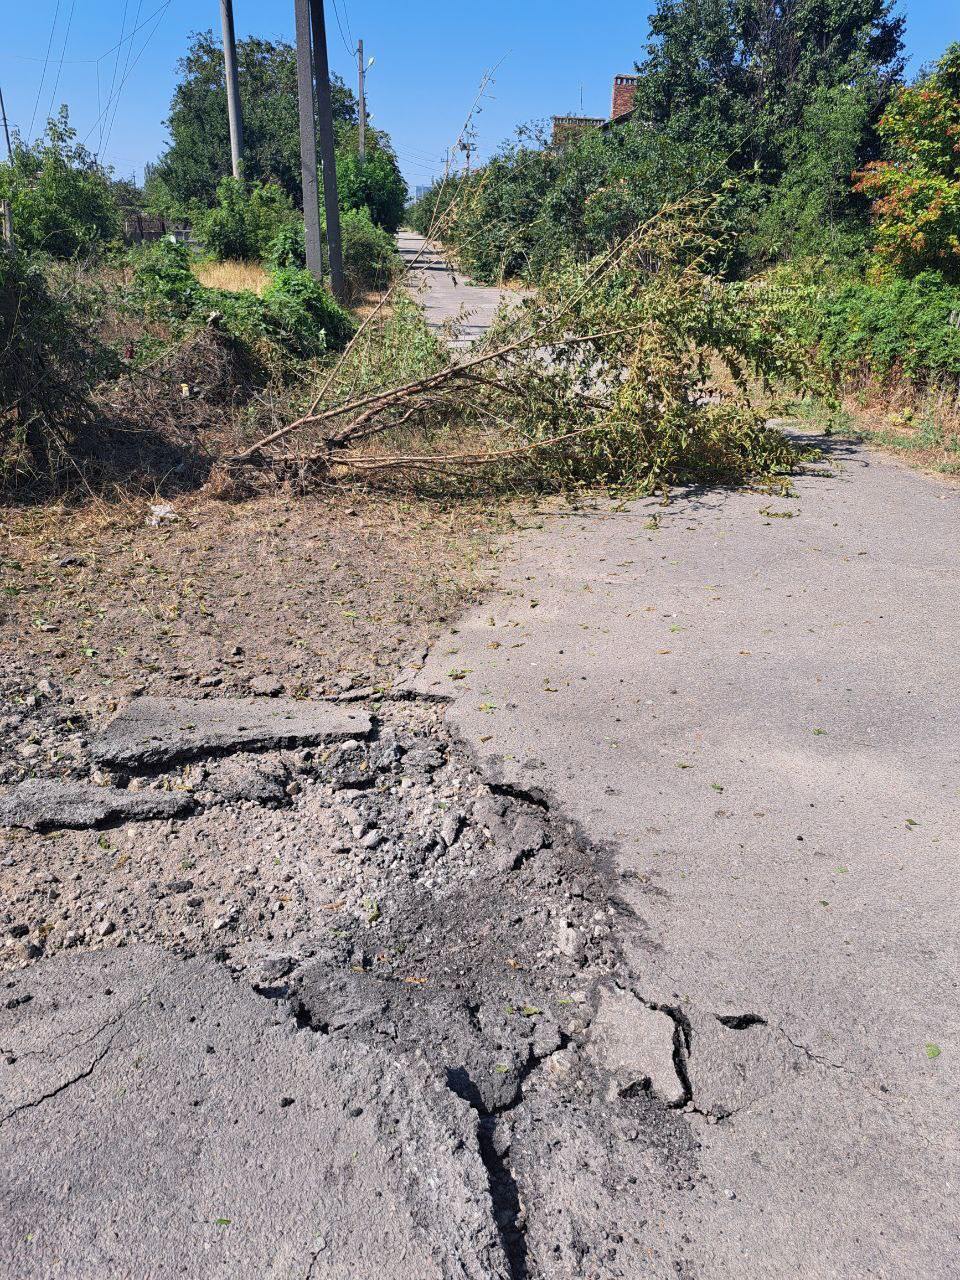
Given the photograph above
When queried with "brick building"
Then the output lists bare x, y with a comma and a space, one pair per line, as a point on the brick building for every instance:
621, 109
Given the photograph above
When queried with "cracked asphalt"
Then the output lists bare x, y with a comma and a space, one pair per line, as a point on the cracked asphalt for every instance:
653, 973
753, 703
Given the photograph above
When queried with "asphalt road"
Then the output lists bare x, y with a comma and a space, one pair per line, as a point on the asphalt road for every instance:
754, 702
463, 311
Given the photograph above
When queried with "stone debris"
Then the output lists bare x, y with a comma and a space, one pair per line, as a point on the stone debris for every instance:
151, 732
45, 804
636, 1045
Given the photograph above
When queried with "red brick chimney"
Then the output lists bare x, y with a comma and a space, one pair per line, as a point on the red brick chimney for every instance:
624, 91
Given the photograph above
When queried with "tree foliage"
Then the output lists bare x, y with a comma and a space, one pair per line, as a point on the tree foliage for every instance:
62, 200
199, 154
916, 188
245, 220
769, 104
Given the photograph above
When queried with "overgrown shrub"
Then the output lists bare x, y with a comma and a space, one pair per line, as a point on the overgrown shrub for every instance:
294, 317
429, 212
62, 200
375, 185
47, 368
245, 220
916, 187
886, 329
533, 206
301, 313
370, 258
286, 249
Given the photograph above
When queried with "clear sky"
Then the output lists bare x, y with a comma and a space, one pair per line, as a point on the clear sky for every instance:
555, 56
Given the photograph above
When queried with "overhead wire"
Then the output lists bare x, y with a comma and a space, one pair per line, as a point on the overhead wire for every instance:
158, 14
126, 63
63, 50
116, 67
43, 73
351, 48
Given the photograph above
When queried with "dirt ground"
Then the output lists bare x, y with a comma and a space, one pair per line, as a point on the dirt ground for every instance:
306, 596
316, 596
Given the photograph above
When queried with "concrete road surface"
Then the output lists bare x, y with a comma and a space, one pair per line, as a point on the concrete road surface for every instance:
754, 701
462, 310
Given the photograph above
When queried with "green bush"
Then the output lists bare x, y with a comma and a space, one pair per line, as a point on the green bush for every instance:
245, 220
286, 249
376, 185
897, 328
534, 206
299, 310
370, 257
48, 368
294, 318
61, 199
429, 212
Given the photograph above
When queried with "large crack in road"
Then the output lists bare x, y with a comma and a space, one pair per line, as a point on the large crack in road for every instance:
437, 919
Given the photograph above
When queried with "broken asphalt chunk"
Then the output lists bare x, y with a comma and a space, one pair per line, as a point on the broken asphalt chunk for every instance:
44, 804
635, 1043
158, 731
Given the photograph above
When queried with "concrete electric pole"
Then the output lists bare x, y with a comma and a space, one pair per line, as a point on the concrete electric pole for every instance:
327, 146
362, 137
233, 86
308, 141
6, 128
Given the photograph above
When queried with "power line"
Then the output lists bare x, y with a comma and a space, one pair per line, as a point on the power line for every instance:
350, 48
43, 73
158, 14
116, 67
105, 142
87, 62
63, 50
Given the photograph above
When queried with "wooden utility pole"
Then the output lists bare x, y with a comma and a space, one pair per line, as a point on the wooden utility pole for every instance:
6, 128
362, 137
327, 147
308, 141
233, 86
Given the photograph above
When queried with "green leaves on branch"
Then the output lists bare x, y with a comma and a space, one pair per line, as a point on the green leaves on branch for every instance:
62, 200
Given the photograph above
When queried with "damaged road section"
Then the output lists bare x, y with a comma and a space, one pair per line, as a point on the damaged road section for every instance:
229, 1143
159, 731
409, 980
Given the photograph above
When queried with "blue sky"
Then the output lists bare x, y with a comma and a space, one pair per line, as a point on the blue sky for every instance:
553, 56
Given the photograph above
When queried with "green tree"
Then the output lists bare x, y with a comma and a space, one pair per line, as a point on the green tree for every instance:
376, 185
916, 188
785, 93
61, 198
245, 219
199, 153
736, 74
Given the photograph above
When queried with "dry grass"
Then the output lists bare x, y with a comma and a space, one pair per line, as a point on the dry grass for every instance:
232, 276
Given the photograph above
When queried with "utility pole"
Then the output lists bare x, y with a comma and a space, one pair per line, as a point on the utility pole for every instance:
362, 140
6, 225
308, 141
6, 128
6, 208
327, 153
467, 146
233, 86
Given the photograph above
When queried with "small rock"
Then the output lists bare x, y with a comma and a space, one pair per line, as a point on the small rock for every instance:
451, 827
266, 686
